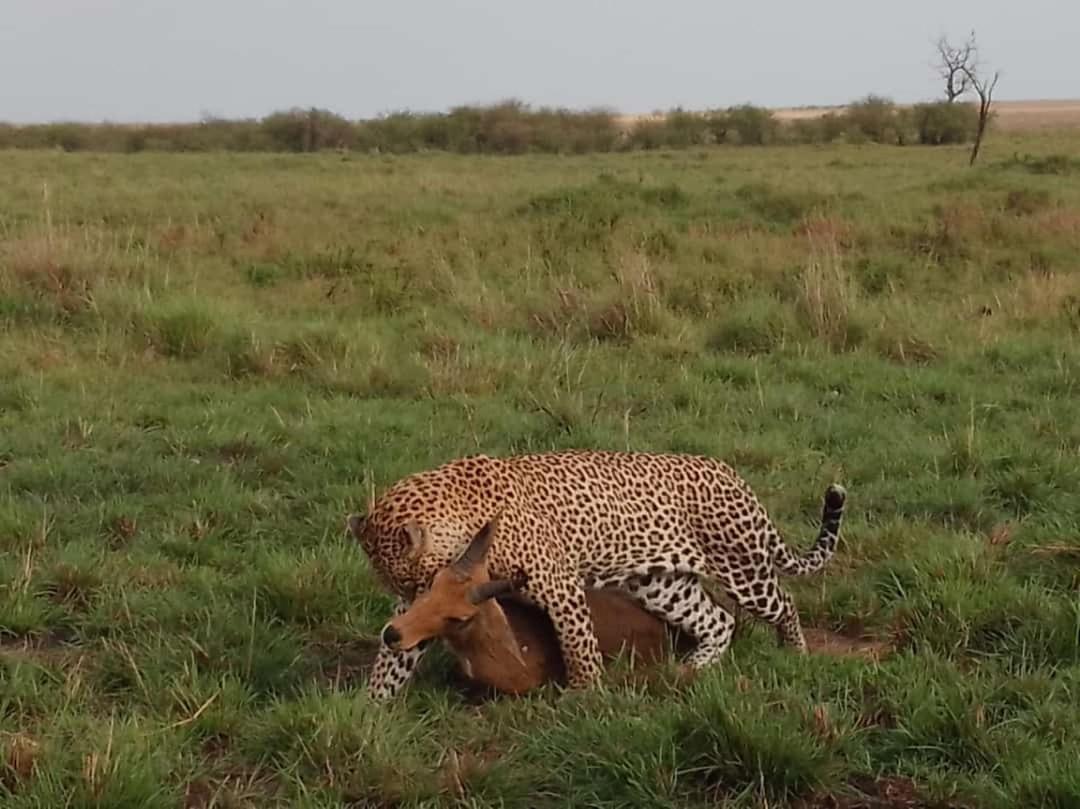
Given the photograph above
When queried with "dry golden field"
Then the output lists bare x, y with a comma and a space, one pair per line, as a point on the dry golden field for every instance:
1012, 116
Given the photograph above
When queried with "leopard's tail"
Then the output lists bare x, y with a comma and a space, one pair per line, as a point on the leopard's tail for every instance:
832, 514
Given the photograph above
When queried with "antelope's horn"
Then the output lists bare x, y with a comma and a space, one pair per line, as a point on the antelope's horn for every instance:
490, 589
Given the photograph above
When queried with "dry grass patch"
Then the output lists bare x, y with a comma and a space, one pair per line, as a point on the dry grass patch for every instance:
828, 297
65, 267
19, 761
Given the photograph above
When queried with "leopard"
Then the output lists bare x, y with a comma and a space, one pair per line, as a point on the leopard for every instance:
660, 526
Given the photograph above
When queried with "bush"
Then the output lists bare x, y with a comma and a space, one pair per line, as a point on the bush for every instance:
512, 127
509, 127
310, 130
874, 118
648, 134
678, 129
717, 125
753, 125
944, 123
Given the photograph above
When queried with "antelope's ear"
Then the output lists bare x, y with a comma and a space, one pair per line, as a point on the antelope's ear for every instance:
418, 537
356, 523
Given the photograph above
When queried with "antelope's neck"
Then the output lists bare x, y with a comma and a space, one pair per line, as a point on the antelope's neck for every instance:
479, 644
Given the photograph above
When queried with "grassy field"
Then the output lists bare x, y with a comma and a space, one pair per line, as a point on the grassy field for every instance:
207, 361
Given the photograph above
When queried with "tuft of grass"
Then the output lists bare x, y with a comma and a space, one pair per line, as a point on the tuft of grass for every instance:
763, 749
634, 307
779, 207
16, 395
757, 326
182, 330
345, 746
828, 300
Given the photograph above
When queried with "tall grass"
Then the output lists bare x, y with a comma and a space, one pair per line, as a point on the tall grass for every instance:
828, 297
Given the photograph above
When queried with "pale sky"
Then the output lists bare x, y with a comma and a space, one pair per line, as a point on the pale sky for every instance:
152, 60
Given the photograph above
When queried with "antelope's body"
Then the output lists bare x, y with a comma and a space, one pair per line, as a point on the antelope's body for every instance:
621, 626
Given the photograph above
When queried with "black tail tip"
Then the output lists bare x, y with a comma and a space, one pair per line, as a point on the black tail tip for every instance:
835, 496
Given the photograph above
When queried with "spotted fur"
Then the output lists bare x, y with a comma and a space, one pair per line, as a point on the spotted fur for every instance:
653, 524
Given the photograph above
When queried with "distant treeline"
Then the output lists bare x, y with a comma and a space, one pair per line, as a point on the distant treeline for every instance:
511, 128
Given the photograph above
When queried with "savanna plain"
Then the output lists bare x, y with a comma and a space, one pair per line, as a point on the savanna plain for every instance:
207, 361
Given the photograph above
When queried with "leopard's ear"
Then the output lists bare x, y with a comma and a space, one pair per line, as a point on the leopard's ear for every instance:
356, 523
419, 538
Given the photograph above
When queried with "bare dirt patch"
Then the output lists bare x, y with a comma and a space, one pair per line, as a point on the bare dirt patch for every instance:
344, 665
199, 795
46, 649
237, 788
458, 769
826, 642
887, 792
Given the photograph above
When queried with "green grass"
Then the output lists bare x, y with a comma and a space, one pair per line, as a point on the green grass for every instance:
207, 361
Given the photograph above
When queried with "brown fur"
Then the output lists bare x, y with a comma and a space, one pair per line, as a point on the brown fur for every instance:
621, 627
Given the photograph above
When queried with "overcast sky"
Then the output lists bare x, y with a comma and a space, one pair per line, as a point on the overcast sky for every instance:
152, 60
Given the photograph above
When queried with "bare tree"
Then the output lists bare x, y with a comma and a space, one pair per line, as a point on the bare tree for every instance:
953, 65
960, 69
984, 89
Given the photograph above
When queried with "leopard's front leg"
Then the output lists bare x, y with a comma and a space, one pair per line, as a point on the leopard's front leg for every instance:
393, 668
562, 596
